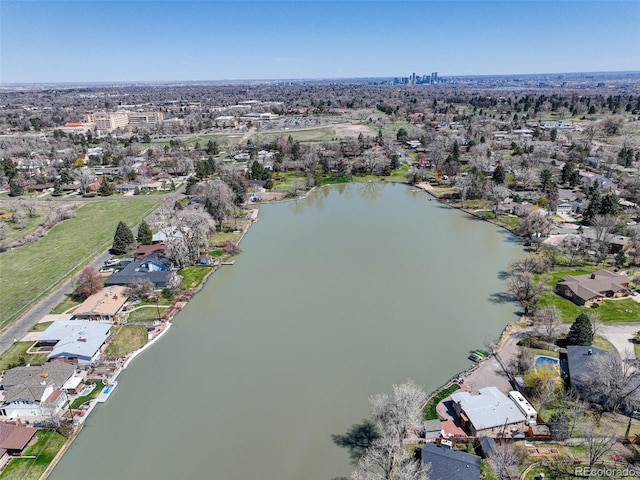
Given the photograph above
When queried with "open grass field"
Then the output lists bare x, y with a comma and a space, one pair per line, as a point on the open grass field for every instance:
309, 135
46, 448
30, 272
128, 338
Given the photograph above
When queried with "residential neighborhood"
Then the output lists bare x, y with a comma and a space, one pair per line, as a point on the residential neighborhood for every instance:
161, 190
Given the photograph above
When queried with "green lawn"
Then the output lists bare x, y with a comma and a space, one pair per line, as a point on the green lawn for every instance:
286, 179
40, 327
611, 311
320, 134
192, 277
48, 445
68, 303
93, 394
146, 314
129, 338
430, 412
31, 271
17, 351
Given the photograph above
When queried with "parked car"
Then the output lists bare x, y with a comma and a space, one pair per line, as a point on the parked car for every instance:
106, 270
633, 291
112, 262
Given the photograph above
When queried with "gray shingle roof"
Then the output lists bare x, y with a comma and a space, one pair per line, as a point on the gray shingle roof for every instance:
448, 464
29, 383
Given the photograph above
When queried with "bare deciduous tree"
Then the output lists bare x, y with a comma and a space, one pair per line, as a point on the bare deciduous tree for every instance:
598, 443
526, 289
602, 225
395, 414
218, 198
548, 320
140, 290
613, 381
535, 224
497, 194
386, 460
84, 176
505, 461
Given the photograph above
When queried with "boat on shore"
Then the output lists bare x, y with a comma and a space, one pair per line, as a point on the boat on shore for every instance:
474, 357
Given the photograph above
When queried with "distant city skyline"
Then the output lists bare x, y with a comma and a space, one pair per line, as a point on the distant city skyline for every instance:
146, 41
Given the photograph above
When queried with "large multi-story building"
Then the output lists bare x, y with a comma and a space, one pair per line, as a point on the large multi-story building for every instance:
108, 121
145, 118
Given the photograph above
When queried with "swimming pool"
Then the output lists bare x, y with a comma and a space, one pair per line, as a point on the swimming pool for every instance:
542, 361
107, 390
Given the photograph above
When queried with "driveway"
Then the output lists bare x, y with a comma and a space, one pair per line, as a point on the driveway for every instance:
620, 335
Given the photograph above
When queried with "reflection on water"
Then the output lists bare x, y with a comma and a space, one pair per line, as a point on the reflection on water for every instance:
335, 298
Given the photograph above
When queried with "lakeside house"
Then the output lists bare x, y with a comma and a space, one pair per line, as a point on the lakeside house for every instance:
103, 306
593, 287
13, 440
74, 341
489, 412
447, 464
580, 361
34, 393
154, 268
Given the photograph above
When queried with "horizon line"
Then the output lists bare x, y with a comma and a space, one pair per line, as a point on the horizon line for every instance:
302, 79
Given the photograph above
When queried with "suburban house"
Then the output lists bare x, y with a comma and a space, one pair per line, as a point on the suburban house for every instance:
169, 232
34, 392
593, 287
580, 361
13, 440
615, 243
487, 413
103, 306
143, 251
74, 341
447, 464
155, 268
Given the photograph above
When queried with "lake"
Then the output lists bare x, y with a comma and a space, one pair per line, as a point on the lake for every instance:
335, 298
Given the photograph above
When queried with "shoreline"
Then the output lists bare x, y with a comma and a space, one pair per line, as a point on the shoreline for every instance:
252, 217
173, 309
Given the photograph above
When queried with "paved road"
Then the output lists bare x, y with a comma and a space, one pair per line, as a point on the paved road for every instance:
20, 327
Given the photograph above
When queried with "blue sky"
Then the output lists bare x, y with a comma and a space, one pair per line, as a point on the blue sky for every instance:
94, 41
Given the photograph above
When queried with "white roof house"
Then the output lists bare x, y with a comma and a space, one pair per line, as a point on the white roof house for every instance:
77, 341
489, 410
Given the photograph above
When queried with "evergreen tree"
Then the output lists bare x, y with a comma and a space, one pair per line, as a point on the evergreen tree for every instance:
123, 239
546, 179
581, 331
15, 188
106, 188
499, 175
145, 235
57, 188
610, 205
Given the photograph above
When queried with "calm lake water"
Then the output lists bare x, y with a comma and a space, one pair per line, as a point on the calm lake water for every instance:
335, 298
